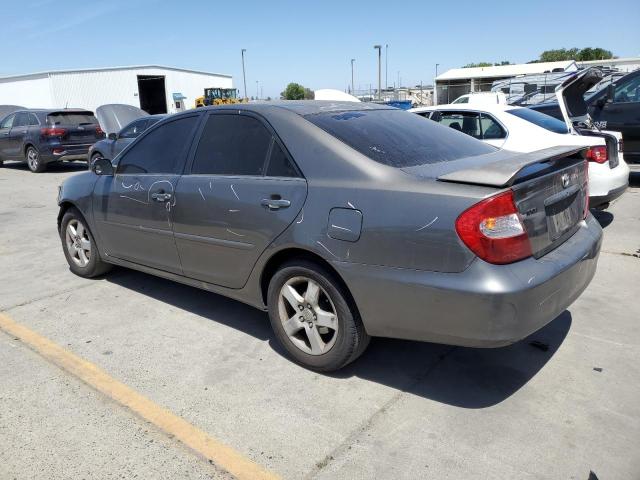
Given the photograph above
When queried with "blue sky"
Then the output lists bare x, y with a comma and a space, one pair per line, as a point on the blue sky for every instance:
307, 42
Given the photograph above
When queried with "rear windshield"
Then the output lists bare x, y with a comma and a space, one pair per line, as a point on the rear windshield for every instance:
397, 138
540, 119
77, 118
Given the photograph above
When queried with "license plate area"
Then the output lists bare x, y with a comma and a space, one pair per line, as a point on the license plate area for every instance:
563, 211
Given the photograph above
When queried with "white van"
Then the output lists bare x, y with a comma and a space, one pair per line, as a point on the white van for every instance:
482, 98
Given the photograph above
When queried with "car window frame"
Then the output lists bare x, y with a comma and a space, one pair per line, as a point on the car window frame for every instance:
187, 150
34, 117
500, 124
274, 138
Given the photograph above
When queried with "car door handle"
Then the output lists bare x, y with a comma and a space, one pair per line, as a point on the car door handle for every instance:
161, 197
275, 203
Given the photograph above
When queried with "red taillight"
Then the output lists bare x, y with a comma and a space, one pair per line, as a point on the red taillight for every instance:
493, 230
53, 132
99, 131
597, 154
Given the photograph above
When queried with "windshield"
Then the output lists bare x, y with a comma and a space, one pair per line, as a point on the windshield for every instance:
540, 119
397, 138
461, 100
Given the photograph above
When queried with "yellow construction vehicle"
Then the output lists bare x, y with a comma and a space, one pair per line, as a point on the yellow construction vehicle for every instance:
219, 96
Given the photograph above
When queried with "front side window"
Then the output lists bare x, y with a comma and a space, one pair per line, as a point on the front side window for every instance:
628, 91
397, 138
134, 129
491, 129
161, 151
465, 122
232, 145
8, 122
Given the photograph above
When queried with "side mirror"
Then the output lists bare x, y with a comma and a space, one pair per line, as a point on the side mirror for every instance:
102, 166
112, 136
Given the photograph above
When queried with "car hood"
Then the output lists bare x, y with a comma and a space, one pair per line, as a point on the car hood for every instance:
9, 109
114, 116
570, 94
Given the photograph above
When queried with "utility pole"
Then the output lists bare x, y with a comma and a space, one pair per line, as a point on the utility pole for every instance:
379, 48
435, 87
386, 66
257, 90
352, 89
244, 77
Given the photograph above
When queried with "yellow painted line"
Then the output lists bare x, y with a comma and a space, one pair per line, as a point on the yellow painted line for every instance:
220, 454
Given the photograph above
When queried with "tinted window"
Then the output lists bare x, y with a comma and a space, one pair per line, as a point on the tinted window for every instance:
133, 130
465, 122
232, 145
162, 150
8, 122
22, 120
279, 164
491, 129
33, 120
75, 118
628, 91
540, 119
396, 138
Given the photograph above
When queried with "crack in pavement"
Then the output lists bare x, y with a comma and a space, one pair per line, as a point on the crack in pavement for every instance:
370, 422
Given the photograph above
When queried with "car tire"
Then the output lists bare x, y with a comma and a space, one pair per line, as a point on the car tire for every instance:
325, 337
34, 162
79, 246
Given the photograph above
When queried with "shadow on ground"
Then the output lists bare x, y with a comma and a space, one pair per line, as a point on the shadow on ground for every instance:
464, 377
604, 218
57, 167
634, 179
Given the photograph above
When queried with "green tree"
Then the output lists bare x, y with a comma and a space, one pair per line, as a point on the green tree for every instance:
584, 54
486, 64
295, 91
309, 94
594, 54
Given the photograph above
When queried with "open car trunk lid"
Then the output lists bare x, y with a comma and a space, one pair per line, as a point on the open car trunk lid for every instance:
114, 116
550, 190
570, 94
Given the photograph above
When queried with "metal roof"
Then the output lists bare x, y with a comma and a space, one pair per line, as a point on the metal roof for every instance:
504, 70
107, 69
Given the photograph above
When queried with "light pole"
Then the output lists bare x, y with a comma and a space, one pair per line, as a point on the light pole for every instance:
352, 89
386, 66
256, 89
379, 48
244, 77
435, 87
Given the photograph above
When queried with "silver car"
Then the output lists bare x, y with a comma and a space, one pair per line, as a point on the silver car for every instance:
343, 221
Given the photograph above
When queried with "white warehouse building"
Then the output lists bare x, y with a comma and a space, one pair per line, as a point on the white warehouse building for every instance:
154, 88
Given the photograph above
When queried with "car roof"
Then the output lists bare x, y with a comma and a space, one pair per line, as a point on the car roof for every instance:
490, 108
303, 107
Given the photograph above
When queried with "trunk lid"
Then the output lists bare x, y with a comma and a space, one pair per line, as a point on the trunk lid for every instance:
570, 94
114, 116
81, 126
550, 190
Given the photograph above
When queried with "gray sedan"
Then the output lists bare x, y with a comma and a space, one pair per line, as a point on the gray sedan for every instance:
343, 221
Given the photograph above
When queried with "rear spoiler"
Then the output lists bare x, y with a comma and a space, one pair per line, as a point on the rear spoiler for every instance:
505, 168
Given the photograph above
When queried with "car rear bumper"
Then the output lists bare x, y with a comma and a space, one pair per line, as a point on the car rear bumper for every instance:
65, 153
484, 306
610, 196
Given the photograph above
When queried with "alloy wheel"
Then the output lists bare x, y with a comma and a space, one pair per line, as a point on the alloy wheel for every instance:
78, 243
32, 158
308, 315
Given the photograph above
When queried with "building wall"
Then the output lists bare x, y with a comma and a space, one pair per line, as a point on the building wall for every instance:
90, 89
31, 92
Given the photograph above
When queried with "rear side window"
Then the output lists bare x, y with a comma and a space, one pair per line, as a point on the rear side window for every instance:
491, 129
22, 120
161, 151
540, 119
69, 118
279, 163
465, 122
397, 138
33, 120
232, 145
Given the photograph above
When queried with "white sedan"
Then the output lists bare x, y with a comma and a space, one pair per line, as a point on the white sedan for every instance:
524, 130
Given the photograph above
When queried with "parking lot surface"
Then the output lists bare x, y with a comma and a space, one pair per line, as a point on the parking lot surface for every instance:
562, 409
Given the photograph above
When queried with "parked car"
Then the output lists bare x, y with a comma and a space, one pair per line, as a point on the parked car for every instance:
482, 98
519, 129
116, 142
616, 107
40, 137
343, 220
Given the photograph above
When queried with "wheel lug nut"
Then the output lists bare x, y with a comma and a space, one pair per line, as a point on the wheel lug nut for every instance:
310, 325
300, 307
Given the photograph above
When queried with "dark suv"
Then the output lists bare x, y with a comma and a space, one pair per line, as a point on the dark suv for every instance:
40, 137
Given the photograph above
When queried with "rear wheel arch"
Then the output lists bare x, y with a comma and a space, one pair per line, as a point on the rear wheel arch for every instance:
26, 147
288, 255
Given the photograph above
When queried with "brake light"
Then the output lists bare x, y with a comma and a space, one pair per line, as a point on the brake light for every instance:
597, 154
493, 230
99, 131
53, 132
